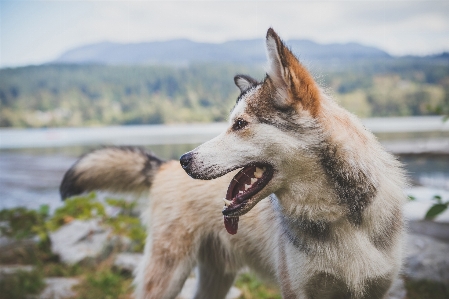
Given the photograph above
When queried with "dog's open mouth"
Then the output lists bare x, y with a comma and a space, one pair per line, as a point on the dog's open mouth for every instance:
245, 184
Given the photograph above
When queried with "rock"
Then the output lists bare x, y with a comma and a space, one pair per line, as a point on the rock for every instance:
11, 269
233, 293
188, 291
397, 290
439, 230
127, 261
426, 258
79, 240
6, 242
59, 288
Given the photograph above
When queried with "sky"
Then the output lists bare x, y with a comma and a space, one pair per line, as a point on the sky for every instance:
35, 31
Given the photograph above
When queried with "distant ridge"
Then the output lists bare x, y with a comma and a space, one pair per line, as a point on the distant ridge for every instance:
183, 51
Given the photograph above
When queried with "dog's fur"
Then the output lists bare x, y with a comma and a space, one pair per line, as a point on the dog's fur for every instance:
328, 225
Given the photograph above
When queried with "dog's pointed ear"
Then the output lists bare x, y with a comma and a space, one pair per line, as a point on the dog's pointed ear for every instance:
244, 82
292, 81
275, 47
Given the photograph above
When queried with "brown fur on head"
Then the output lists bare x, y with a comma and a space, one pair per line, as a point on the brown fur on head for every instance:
294, 83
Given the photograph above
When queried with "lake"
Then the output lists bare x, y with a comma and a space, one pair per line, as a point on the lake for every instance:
33, 161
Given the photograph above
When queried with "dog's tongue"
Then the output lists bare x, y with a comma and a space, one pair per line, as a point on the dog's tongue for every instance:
231, 224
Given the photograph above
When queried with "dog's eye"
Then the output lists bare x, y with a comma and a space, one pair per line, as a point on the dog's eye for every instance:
239, 124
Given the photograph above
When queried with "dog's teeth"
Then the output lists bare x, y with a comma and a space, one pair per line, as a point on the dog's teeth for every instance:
258, 173
227, 202
240, 192
247, 186
253, 180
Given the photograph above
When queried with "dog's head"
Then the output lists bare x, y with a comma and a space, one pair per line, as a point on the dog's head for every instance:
273, 127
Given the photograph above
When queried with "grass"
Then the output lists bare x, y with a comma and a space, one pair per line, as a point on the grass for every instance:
21, 284
253, 288
424, 289
105, 284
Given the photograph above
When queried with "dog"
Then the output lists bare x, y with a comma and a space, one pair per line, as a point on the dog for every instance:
296, 190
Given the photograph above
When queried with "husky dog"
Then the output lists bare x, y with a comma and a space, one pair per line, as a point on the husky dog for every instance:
312, 202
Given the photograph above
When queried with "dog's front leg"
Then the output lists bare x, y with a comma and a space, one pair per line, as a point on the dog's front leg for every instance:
285, 284
213, 282
164, 278
215, 273
167, 263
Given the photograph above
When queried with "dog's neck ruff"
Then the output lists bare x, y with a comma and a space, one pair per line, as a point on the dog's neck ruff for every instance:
300, 231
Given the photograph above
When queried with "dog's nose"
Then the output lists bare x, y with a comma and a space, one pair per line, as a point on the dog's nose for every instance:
185, 160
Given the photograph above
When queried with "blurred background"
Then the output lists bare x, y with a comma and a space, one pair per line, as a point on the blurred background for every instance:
76, 75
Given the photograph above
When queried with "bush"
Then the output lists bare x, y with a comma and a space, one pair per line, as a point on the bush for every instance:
21, 284
79, 207
252, 288
104, 284
21, 223
426, 289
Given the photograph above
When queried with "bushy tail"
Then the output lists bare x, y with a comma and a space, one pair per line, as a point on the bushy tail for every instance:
116, 169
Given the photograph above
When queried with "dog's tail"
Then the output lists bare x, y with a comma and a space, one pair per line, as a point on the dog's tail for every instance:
116, 169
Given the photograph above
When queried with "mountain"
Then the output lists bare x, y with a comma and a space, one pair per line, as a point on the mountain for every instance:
183, 52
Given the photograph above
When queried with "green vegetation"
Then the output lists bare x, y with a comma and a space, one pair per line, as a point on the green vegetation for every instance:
437, 208
22, 223
393, 87
124, 223
21, 284
252, 288
83, 95
105, 284
426, 289
80, 207
67, 95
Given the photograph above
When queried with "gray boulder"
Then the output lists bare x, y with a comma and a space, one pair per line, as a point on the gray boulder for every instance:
438, 230
127, 261
397, 290
11, 269
59, 288
79, 240
426, 258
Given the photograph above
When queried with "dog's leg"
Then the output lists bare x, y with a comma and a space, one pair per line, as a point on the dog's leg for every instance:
215, 270
168, 261
212, 282
164, 278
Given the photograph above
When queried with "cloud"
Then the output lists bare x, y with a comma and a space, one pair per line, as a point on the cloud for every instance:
38, 31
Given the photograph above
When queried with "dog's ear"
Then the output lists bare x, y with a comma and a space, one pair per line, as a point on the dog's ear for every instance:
244, 82
292, 81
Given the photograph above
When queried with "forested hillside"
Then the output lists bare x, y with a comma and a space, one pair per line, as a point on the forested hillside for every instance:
393, 87
70, 95
83, 95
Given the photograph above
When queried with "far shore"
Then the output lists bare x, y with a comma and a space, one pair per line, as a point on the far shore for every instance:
15, 138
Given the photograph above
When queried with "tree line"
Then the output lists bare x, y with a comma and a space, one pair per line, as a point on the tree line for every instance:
84, 95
